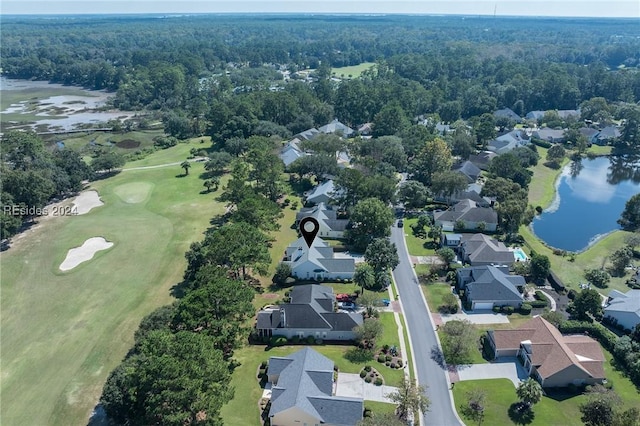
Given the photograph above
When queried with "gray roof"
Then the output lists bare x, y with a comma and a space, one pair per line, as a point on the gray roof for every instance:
314, 294
306, 382
470, 170
325, 189
566, 113
290, 156
548, 134
508, 113
624, 302
336, 126
609, 132
588, 132
467, 210
308, 134
480, 248
491, 284
320, 254
327, 214
534, 115
482, 159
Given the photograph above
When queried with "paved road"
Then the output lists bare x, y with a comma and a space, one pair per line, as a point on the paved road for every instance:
423, 339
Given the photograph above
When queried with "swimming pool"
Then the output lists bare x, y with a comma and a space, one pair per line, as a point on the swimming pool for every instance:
518, 253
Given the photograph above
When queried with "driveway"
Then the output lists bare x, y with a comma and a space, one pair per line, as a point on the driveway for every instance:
480, 317
507, 368
352, 385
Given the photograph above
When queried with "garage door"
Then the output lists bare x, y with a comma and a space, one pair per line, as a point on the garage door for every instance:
487, 305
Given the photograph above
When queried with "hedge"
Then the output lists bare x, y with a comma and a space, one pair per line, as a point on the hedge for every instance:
606, 338
541, 143
525, 309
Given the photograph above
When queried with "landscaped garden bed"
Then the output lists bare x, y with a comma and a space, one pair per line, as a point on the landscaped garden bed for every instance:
390, 356
371, 375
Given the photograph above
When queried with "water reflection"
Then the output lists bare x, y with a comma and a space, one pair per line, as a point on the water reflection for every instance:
591, 195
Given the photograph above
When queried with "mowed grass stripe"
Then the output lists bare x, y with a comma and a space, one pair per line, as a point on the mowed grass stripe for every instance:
63, 332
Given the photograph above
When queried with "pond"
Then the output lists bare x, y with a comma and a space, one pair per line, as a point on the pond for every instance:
590, 196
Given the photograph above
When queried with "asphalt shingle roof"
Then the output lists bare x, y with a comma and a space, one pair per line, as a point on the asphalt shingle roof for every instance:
492, 285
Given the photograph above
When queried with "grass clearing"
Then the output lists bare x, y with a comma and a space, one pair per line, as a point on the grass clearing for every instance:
434, 293
353, 71
124, 142
70, 329
417, 246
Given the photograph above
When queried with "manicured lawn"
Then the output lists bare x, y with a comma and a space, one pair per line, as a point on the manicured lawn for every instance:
542, 189
552, 410
353, 71
417, 246
380, 407
68, 330
434, 294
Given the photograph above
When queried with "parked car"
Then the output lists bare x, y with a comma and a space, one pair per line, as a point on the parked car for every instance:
385, 302
343, 297
346, 305
400, 223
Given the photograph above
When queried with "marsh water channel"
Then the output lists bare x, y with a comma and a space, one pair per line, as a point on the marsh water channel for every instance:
46, 107
590, 196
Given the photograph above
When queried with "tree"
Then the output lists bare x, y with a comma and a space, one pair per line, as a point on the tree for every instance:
556, 154
283, 271
462, 143
413, 194
218, 163
620, 259
446, 254
186, 165
459, 339
382, 255
107, 161
367, 332
539, 267
218, 307
410, 399
476, 399
485, 129
598, 277
529, 392
508, 166
600, 408
434, 157
435, 233
447, 183
630, 218
370, 219
364, 276
160, 319
449, 304
588, 301
512, 213
390, 120
172, 379
258, 211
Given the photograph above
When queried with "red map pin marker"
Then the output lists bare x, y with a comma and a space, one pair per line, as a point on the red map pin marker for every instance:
309, 228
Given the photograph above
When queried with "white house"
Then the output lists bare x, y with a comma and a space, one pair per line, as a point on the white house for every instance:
624, 308
327, 217
317, 262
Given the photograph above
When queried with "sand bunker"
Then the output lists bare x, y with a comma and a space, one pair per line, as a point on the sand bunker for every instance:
86, 201
134, 192
85, 252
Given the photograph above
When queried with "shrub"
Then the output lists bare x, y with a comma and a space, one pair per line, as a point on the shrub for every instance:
388, 358
509, 310
525, 309
263, 364
367, 379
381, 358
539, 303
378, 382
363, 373
572, 294
311, 340
388, 363
359, 355
367, 368
319, 341
399, 363
496, 309
295, 340
278, 341
367, 412
393, 365
385, 348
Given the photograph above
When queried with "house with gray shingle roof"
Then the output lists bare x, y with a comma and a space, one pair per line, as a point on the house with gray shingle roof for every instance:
589, 133
507, 113
308, 134
302, 392
469, 214
469, 170
480, 249
310, 313
624, 308
337, 127
317, 262
534, 115
323, 193
291, 151
487, 286
509, 141
482, 159
327, 216
550, 135
607, 135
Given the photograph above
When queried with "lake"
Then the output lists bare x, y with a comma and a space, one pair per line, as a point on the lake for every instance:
590, 196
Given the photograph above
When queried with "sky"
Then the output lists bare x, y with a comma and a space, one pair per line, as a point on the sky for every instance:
576, 8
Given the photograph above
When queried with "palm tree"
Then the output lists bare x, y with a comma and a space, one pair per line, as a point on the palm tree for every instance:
410, 399
529, 392
186, 165
364, 276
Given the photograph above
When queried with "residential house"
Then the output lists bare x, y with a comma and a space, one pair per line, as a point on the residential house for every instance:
365, 129
590, 133
323, 193
451, 240
291, 152
302, 392
480, 249
469, 170
310, 313
469, 214
624, 308
566, 114
443, 129
472, 193
308, 134
509, 141
534, 115
482, 159
487, 286
551, 358
338, 128
549, 135
507, 113
327, 217
317, 262
607, 135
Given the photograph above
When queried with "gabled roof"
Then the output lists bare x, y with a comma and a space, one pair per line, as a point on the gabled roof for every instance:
551, 352
548, 134
308, 134
306, 382
609, 132
467, 210
470, 170
290, 155
482, 159
490, 284
324, 214
624, 302
325, 189
508, 113
336, 126
319, 254
534, 115
588, 132
566, 113
480, 248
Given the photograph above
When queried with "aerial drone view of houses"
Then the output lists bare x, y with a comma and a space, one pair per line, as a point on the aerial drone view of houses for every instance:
246, 237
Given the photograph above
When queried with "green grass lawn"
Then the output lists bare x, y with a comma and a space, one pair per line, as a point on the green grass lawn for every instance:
353, 71
417, 246
80, 141
63, 332
434, 294
380, 407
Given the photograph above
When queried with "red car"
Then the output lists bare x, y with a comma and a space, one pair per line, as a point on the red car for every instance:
343, 297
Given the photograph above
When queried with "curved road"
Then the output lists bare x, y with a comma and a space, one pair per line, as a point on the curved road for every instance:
422, 338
